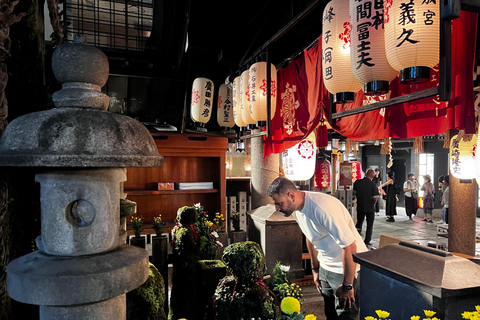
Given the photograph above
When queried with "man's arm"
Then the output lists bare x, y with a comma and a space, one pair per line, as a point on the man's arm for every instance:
349, 269
315, 264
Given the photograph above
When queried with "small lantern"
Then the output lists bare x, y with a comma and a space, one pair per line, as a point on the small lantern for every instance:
201, 103
245, 102
323, 170
368, 58
462, 157
237, 111
412, 38
356, 170
225, 107
337, 69
258, 91
299, 160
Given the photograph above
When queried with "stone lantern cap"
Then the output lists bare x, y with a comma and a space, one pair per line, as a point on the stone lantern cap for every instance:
433, 271
79, 132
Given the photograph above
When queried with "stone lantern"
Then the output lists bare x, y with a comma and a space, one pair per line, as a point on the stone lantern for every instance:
83, 268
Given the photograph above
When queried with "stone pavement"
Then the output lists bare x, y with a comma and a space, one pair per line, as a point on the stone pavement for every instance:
417, 231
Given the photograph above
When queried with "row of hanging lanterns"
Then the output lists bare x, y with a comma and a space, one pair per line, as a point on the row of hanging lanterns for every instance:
366, 43
243, 102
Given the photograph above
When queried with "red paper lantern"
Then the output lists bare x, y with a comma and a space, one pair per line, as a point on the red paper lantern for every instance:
323, 177
356, 170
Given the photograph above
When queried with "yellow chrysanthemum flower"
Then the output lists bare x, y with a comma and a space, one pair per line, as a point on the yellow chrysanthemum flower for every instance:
429, 313
477, 308
290, 305
310, 317
370, 318
435, 318
382, 314
415, 318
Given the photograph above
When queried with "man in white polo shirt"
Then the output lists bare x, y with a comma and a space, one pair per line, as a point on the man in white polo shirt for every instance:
332, 239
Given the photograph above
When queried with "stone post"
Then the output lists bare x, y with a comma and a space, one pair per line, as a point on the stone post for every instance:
462, 216
263, 172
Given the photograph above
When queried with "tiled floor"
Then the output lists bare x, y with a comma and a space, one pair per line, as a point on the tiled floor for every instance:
417, 231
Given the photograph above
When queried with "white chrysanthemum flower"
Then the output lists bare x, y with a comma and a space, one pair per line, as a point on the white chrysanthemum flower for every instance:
284, 268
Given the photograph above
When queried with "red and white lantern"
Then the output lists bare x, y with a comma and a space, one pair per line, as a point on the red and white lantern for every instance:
245, 102
225, 106
201, 102
299, 160
367, 53
258, 90
323, 175
337, 69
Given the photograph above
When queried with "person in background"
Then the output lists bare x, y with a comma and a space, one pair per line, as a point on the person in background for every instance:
410, 187
445, 198
367, 196
391, 201
377, 180
331, 242
428, 198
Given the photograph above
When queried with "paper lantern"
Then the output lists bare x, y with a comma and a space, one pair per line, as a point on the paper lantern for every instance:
299, 160
323, 170
245, 101
258, 90
201, 103
462, 157
225, 106
367, 54
337, 69
356, 170
412, 37
237, 112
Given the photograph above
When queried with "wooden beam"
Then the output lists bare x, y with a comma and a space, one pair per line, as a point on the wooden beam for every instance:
387, 103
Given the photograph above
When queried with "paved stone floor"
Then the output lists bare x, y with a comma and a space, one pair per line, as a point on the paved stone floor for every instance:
417, 231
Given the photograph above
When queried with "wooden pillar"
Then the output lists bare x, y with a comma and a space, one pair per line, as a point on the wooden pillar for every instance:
263, 172
462, 216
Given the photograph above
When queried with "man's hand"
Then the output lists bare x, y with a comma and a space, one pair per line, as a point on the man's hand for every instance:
345, 297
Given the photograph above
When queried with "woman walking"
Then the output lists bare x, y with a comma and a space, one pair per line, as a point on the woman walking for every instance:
428, 198
411, 195
391, 201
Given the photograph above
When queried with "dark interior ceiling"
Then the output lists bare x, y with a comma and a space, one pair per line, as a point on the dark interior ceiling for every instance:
222, 36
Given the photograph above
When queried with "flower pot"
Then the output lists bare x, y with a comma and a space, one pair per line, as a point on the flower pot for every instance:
160, 261
138, 242
238, 236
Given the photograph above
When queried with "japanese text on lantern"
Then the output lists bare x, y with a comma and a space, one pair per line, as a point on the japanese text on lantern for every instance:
408, 16
207, 102
370, 15
227, 106
327, 52
455, 157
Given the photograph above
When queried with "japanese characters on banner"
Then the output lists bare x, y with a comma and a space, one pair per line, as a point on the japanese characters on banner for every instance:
245, 99
258, 90
367, 54
323, 174
225, 107
237, 98
299, 160
337, 70
201, 102
412, 33
462, 157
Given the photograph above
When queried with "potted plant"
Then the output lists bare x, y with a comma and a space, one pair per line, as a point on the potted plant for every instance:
137, 240
238, 235
219, 222
160, 252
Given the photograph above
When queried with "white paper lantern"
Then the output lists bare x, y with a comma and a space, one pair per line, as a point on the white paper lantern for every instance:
412, 37
225, 106
237, 111
299, 161
462, 157
245, 103
367, 53
258, 90
201, 103
337, 69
